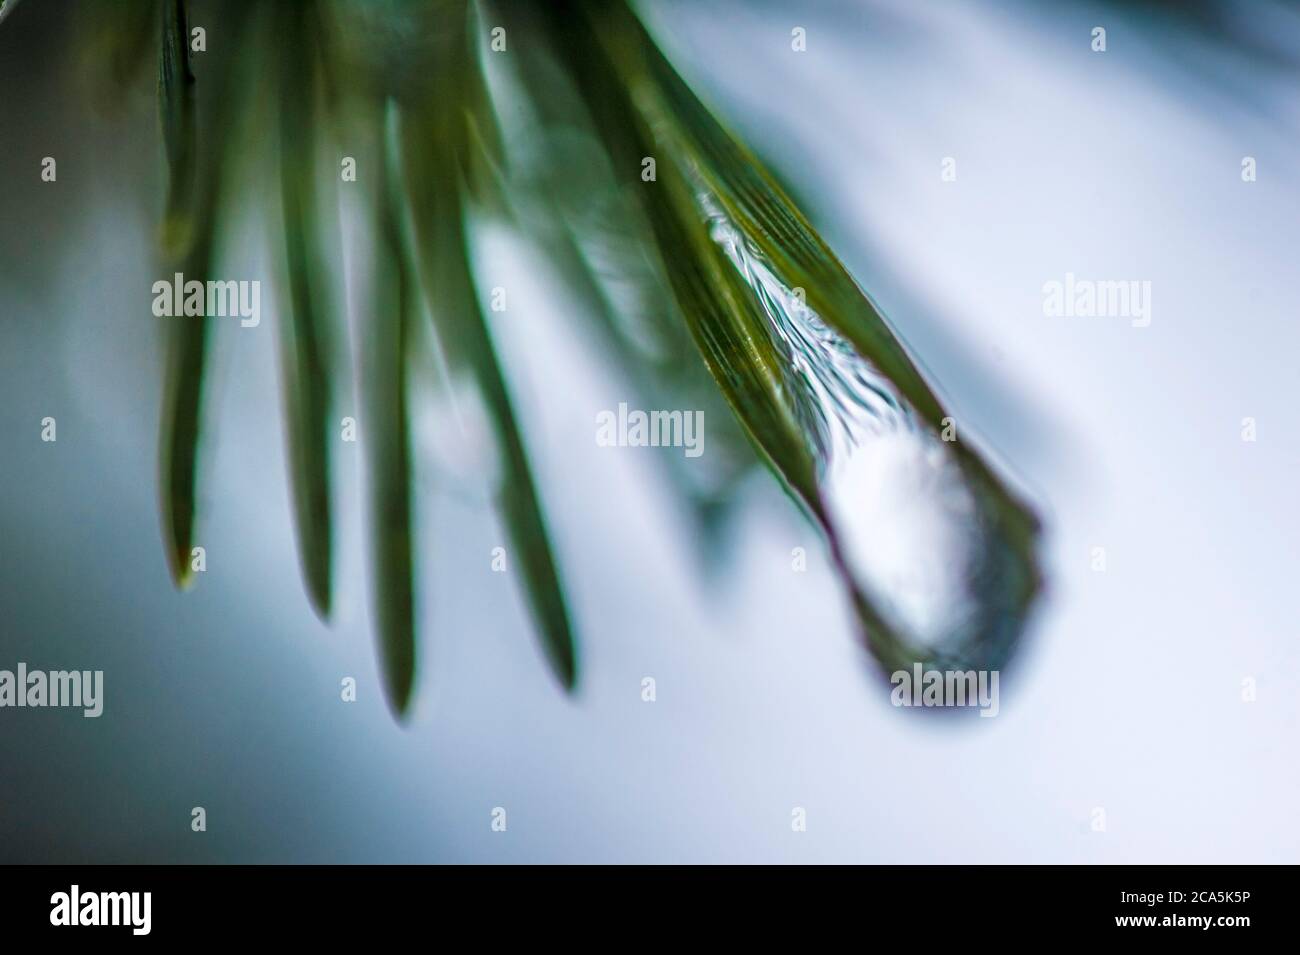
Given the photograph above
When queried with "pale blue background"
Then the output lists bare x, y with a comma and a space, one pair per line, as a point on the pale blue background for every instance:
1128, 697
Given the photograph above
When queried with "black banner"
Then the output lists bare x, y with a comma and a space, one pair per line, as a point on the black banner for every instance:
332, 904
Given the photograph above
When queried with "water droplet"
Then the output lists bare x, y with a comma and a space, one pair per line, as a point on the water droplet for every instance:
937, 552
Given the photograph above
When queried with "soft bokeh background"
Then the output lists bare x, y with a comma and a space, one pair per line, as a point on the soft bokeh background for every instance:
1128, 696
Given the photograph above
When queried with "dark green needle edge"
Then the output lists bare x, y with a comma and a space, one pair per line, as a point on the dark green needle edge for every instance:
305, 328
385, 436
431, 139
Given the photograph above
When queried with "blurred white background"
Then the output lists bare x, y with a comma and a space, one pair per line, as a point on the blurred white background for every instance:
1128, 693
